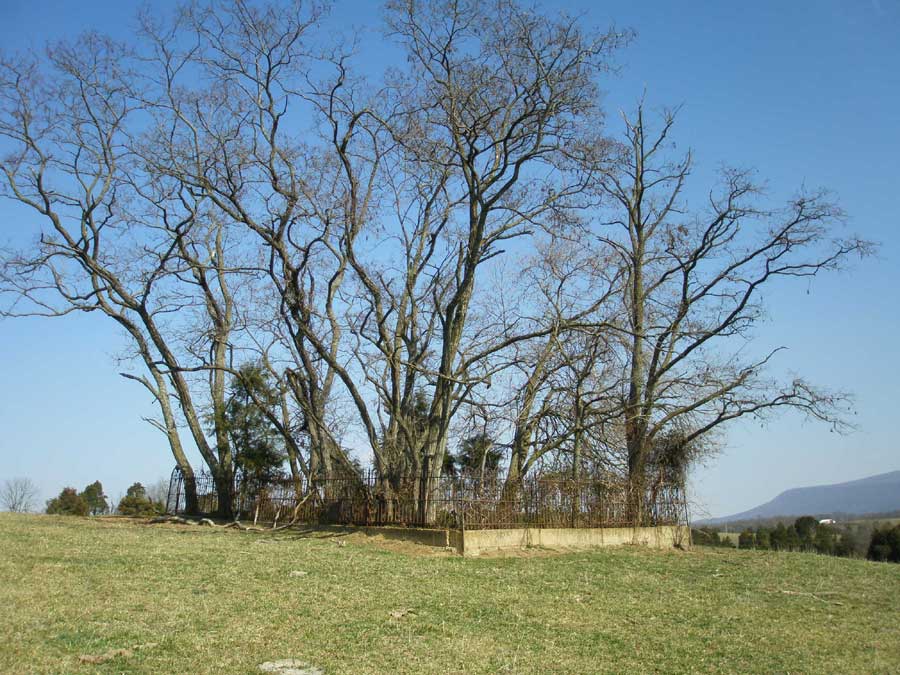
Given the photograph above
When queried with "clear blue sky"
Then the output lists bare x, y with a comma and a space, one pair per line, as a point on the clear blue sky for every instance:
806, 92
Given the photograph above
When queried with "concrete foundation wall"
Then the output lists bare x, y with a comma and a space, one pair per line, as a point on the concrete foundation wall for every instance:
474, 542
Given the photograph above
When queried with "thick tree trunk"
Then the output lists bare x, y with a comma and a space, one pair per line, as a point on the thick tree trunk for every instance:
296, 474
191, 503
224, 480
637, 481
430, 473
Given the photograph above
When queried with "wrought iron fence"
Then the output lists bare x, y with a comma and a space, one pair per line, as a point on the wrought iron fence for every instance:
456, 502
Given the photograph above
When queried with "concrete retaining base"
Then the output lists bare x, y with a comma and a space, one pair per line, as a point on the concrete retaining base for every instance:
475, 542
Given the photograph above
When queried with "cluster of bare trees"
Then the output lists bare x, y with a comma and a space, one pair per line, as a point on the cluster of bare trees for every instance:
458, 249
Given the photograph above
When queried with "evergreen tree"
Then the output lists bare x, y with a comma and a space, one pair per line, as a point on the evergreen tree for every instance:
825, 540
746, 539
478, 456
450, 465
96, 500
763, 539
847, 545
792, 539
708, 536
885, 545
68, 503
258, 450
779, 538
806, 527
137, 503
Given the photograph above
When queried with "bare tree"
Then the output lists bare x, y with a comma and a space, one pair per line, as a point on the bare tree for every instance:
158, 491
693, 294
505, 100
115, 237
489, 136
18, 495
230, 142
562, 385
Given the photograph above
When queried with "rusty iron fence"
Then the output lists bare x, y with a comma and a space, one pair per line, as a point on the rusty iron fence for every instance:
460, 502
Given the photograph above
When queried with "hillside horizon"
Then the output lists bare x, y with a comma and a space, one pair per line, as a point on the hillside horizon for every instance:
879, 493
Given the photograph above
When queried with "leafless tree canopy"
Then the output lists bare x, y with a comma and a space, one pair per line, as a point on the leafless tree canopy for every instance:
18, 495
460, 249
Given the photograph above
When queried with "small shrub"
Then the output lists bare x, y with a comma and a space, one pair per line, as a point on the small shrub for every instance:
136, 503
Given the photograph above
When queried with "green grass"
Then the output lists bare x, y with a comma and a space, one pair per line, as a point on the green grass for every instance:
195, 600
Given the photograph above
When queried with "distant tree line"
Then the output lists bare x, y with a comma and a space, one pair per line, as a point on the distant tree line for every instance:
809, 535
89, 502
805, 534
885, 545
842, 520
93, 502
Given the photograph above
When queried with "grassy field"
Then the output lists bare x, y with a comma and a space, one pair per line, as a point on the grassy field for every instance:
105, 596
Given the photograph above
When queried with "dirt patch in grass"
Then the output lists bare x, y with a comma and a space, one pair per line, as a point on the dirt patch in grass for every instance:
407, 548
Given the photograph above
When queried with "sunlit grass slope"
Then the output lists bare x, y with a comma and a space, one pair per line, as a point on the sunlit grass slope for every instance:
106, 596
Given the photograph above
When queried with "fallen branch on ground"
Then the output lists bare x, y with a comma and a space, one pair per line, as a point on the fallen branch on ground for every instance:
810, 595
233, 524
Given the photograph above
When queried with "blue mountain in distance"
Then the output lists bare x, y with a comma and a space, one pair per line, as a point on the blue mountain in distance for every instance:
875, 494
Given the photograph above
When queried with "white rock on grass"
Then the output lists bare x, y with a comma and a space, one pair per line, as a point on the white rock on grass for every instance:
290, 667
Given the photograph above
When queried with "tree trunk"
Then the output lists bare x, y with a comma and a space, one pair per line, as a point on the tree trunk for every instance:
191, 503
636, 486
431, 467
224, 480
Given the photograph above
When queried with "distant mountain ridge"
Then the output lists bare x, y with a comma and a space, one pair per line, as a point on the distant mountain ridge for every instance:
875, 494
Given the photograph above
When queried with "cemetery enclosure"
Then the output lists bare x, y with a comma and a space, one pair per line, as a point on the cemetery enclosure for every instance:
370, 499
